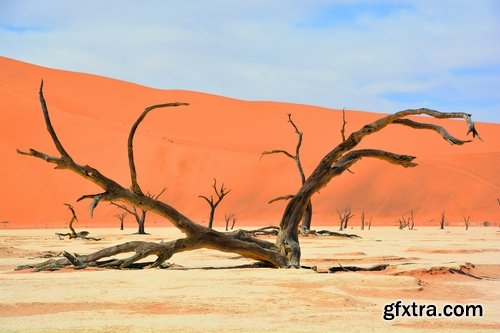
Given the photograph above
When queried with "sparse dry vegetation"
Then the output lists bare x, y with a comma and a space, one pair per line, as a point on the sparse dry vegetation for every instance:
285, 252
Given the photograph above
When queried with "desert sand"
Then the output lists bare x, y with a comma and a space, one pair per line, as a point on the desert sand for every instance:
184, 148
208, 291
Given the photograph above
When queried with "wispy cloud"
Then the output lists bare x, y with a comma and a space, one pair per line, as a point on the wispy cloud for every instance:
372, 55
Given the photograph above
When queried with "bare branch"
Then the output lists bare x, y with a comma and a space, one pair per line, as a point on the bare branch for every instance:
353, 156
125, 208
209, 201
158, 195
283, 197
50, 129
96, 198
278, 152
133, 173
342, 129
444, 133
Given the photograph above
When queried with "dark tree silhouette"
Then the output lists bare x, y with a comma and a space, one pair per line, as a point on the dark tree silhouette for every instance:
220, 193
467, 222
285, 252
121, 218
73, 234
306, 222
442, 220
140, 216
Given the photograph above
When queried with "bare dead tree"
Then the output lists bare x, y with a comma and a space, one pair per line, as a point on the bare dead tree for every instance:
306, 222
370, 223
407, 221
411, 221
220, 193
466, 222
402, 223
121, 218
139, 215
442, 220
73, 234
344, 218
363, 220
231, 218
285, 252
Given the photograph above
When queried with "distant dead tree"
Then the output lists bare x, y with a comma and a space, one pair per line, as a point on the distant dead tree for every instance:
231, 218
466, 222
442, 220
73, 234
284, 252
139, 214
306, 221
344, 218
363, 220
220, 193
121, 218
407, 221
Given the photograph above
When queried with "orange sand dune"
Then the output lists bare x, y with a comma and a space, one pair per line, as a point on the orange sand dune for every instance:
184, 148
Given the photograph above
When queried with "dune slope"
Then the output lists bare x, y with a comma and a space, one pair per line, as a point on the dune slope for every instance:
184, 148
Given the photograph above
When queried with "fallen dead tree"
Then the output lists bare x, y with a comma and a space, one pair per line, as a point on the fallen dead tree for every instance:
285, 252
73, 234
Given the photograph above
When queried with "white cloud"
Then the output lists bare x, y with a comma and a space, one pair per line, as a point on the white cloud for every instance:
292, 51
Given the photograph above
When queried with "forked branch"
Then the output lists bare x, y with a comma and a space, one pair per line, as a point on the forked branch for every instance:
213, 203
342, 157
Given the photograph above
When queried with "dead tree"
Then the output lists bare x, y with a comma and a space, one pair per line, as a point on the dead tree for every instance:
231, 218
285, 252
139, 215
121, 217
73, 234
344, 218
442, 220
407, 221
363, 220
466, 222
220, 193
306, 222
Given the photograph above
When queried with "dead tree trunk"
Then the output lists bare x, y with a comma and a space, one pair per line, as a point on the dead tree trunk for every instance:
442, 220
231, 218
286, 251
467, 222
306, 222
221, 193
363, 220
121, 218
344, 218
140, 217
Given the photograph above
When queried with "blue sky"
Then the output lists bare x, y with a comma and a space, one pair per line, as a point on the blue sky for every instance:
380, 56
